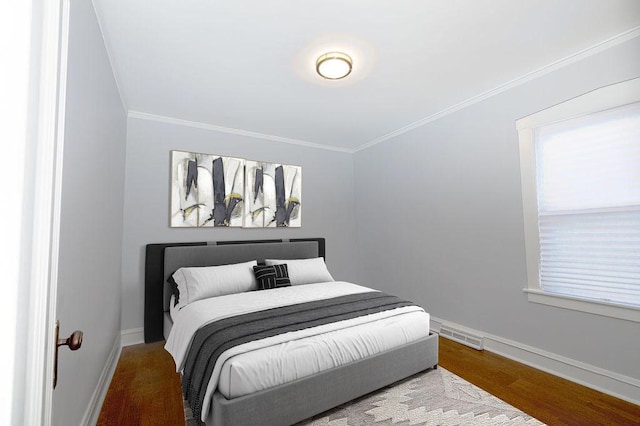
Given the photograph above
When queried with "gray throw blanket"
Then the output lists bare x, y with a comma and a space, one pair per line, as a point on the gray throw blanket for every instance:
213, 339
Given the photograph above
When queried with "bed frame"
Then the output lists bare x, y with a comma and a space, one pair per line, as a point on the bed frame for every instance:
295, 401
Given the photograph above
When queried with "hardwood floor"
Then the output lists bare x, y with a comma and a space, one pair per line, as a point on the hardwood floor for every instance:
145, 389
548, 398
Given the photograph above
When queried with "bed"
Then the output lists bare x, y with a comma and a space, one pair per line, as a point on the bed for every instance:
295, 399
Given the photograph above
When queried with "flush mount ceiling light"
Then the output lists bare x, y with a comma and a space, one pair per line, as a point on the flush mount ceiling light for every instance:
334, 65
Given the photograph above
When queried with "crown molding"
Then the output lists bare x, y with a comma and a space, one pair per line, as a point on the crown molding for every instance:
239, 132
568, 60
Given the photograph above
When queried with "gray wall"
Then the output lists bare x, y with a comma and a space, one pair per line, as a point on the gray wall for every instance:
327, 192
440, 219
91, 217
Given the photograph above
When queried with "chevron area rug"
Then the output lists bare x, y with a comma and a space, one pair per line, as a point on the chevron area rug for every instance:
434, 397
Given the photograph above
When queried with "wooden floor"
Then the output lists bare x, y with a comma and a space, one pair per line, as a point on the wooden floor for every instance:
145, 389
548, 398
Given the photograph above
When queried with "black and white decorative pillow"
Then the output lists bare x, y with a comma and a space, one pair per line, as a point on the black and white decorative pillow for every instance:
272, 276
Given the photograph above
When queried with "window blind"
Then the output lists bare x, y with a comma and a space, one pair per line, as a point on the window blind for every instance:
588, 196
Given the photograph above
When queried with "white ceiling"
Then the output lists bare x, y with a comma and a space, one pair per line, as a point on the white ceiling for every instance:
249, 65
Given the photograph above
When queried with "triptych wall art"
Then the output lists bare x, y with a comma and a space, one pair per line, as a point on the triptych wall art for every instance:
213, 191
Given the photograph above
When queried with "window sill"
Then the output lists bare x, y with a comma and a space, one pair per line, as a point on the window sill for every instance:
583, 305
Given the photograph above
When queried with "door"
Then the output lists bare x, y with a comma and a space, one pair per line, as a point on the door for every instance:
33, 372
36, 403
25, 229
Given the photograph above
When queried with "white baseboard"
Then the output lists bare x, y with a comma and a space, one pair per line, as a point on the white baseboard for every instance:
132, 336
609, 382
97, 399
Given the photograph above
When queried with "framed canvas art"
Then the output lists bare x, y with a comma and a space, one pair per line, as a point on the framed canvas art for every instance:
206, 190
273, 195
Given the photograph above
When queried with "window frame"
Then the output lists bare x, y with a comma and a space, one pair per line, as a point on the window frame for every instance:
604, 98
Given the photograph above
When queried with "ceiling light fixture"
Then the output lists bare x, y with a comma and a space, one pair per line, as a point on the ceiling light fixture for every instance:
334, 65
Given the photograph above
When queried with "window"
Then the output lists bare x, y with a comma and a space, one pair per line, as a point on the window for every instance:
580, 166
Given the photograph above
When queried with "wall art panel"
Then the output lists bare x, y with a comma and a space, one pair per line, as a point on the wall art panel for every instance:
273, 194
206, 190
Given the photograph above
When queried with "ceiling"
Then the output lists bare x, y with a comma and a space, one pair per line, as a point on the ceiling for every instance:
249, 65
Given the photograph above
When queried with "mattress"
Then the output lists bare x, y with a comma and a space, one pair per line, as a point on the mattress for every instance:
280, 359
271, 366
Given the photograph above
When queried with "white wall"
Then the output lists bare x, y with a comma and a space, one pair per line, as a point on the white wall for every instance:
440, 220
91, 217
327, 199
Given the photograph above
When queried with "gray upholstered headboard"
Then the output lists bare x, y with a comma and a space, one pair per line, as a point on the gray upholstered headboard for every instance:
213, 255
162, 260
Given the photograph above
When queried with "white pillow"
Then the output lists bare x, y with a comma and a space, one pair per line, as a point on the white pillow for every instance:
210, 281
304, 271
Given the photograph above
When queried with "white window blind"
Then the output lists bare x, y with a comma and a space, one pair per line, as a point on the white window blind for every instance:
588, 196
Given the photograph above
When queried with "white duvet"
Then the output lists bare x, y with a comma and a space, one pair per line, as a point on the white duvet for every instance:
276, 360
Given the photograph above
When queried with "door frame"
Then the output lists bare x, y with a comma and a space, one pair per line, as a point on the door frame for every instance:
51, 25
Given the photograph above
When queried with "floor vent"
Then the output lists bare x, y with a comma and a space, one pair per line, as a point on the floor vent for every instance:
476, 342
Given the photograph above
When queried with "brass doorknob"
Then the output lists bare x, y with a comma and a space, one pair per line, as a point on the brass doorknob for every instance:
74, 341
